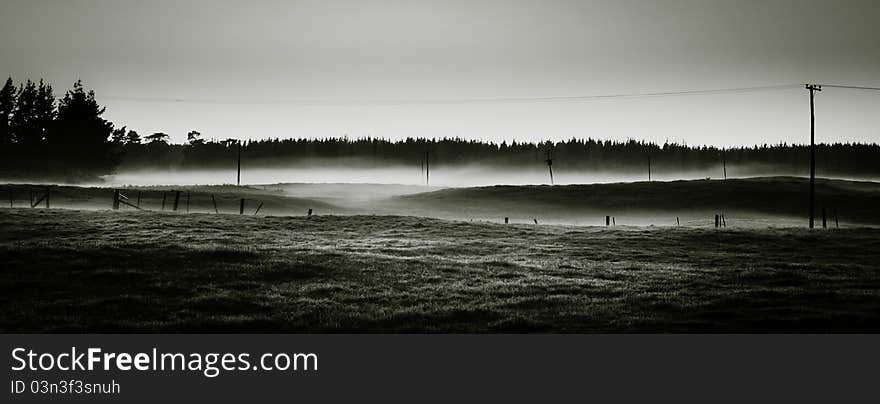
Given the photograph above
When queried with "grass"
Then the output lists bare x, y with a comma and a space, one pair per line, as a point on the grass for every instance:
658, 202
68, 271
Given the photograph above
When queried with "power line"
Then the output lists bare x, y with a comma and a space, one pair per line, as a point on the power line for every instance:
396, 102
851, 87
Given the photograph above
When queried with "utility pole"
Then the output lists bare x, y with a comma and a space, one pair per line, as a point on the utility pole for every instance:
549, 164
238, 178
724, 164
813, 88
427, 169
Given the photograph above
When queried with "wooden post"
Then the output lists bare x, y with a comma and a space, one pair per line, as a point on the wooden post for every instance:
238, 176
813, 88
164, 197
836, 223
716, 221
258, 208
549, 162
607, 220
824, 223
116, 199
241, 207
677, 222
536, 221
139, 199
176, 200
613, 221
506, 220
215, 204
723, 222
310, 212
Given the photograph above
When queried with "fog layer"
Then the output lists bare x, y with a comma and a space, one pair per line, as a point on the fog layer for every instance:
463, 176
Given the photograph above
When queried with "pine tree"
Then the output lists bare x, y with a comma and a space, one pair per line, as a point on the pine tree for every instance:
132, 137
44, 111
194, 138
7, 105
80, 137
118, 136
24, 126
157, 138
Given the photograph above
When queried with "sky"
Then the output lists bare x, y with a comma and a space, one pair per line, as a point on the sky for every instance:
393, 69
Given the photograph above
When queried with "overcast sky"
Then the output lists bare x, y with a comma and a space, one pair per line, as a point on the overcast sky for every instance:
322, 66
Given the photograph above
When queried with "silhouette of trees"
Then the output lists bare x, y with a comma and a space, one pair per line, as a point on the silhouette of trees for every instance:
44, 111
573, 154
118, 136
43, 136
132, 138
157, 138
81, 138
7, 105
194, 138
24, 124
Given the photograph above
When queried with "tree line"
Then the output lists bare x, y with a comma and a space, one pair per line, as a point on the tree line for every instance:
574, 154
41, 135
45, 137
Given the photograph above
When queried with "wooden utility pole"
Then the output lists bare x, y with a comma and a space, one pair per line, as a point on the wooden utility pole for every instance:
813, 88
724, 163
549, 162
238, 178
427, 168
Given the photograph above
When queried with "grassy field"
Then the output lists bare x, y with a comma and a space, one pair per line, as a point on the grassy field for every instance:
784, 199
68, 270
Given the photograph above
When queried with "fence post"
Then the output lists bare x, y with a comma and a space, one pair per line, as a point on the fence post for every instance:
836, 223
310, 212
139, 199
723, 222
716, 220
241, 207
677, 222
506, 220
115, 199
258, 208
215, 204
613, 221
607, 220
164, 197
824, 223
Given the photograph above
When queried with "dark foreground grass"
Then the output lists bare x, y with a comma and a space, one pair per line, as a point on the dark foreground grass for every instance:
109, 271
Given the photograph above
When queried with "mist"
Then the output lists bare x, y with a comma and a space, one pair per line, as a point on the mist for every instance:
442, 176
